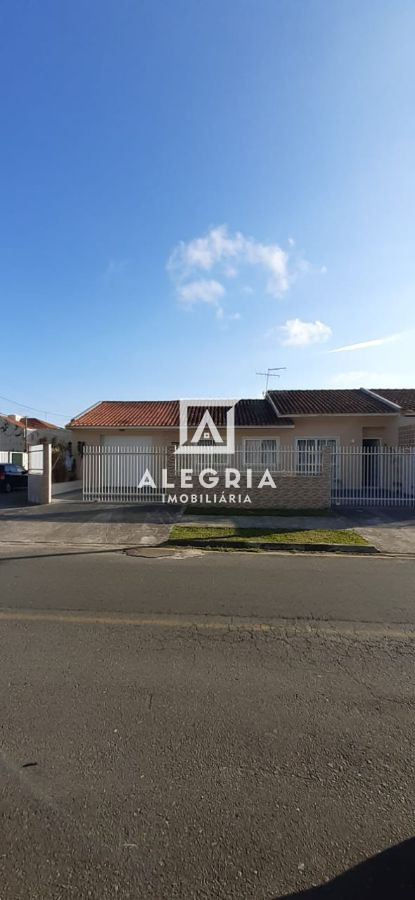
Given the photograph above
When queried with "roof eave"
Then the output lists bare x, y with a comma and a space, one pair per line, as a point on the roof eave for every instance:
168, 427
83, 413
341, 415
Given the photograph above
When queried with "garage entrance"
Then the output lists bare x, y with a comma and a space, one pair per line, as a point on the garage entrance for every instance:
113, 471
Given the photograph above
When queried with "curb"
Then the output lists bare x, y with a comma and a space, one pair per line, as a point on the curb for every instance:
218, 544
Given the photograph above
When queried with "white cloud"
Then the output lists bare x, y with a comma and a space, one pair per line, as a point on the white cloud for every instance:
302, 334
228, 252
225, 256
202, 290
364, 345
368, 379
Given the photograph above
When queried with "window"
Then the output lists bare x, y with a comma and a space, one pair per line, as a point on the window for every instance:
261, 453
308, 450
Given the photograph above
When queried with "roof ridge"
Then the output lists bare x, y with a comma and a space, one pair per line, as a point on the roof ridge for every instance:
384, 400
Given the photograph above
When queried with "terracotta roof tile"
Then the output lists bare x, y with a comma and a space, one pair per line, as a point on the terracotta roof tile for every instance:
165, 414
28, 422
38, 423
129, 414
10, 420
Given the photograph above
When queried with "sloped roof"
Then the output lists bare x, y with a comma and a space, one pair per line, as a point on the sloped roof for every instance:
129, 414
404, 397
10, 420
165, 414
31, 422
248, 414
328, 402
28, 422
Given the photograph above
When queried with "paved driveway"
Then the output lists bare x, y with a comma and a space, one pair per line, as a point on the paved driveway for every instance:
391, 530
77, 523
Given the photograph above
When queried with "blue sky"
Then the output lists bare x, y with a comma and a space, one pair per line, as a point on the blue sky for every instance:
191, 192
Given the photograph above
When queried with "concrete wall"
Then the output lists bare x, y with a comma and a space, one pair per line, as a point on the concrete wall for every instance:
65, 487
55, 435
348, 430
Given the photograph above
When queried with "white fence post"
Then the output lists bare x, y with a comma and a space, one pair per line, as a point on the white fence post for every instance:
39, 480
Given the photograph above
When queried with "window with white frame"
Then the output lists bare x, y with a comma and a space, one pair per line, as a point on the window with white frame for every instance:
309, 453
261, 453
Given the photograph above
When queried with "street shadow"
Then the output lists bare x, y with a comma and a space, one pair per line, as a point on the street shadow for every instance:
93, 552
62, 513
388, 876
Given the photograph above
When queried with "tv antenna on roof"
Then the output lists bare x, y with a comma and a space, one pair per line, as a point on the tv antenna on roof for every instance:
271, 373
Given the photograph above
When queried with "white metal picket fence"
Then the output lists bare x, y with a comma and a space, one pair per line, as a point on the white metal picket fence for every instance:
114, 473
281, 461
379, 476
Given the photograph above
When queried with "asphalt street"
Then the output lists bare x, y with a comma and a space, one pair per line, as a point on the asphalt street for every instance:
230, 726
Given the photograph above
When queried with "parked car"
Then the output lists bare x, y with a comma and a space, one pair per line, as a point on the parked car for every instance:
12, 477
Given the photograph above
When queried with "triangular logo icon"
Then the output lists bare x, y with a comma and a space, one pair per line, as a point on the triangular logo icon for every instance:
206, 424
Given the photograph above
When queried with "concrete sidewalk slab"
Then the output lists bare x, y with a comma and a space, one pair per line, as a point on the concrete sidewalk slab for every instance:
89, 524
277, 523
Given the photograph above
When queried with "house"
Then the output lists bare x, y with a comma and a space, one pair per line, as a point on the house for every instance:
19, 433
286, 432
12, 441
303, 419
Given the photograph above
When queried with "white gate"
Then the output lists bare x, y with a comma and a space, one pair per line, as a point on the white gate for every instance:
114, 473
373, 476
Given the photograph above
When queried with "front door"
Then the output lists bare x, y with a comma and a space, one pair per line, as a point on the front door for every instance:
370, 462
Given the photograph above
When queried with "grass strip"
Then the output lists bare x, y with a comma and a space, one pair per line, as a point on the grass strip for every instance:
310, 536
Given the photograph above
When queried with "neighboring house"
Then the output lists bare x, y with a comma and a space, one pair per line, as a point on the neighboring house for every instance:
19, 433
12, 441
37, 430
303, 419
405, 399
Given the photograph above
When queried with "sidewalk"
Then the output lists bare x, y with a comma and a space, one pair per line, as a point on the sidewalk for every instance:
391, 531
87, 524
277, 523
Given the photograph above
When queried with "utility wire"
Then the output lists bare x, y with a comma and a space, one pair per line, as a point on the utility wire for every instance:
36, 408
